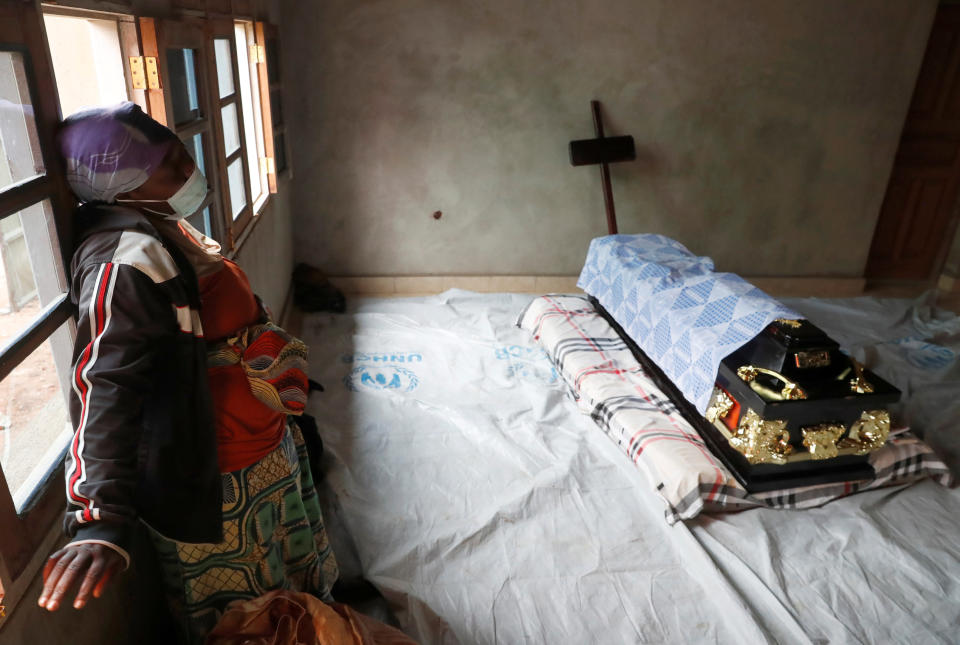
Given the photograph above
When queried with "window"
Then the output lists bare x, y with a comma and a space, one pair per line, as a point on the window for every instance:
252, 115
273, 103
34, 425
87, 61
36, 325
32, 292
235, 139
182, 71
188, 109
231, 111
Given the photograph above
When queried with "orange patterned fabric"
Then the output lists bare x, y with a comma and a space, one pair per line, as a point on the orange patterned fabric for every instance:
294, 618
275, 363
247, 429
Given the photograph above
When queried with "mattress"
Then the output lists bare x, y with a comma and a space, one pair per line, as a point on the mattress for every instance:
620, 394
487, 508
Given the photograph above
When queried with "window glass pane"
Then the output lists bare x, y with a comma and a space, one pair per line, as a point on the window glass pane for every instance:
280, 153
19, 146
31, 274
276, 107
87, 62
182, 66
231, 130
273, 60
237, 193
33, 418
250, 88
201, 220
34, 425
221, 46
195, 148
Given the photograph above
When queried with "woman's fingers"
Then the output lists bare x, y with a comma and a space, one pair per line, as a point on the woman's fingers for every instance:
52, 572
92, 565
74, 572
52, 562
94, 571
111, 571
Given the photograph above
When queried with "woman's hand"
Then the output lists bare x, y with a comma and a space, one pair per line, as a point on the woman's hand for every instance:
94, 564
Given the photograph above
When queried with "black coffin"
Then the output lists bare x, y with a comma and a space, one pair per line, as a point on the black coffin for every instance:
835, 397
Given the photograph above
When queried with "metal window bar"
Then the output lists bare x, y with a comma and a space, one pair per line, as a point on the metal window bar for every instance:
48, 321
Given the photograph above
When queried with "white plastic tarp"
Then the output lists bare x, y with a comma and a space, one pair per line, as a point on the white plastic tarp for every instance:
488, 509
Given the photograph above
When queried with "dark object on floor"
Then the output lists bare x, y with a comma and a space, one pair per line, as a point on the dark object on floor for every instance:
354, 591
364, 597
312, 291
311, 437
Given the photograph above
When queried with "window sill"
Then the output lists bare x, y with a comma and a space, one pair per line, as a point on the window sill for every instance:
260, 203
259, 213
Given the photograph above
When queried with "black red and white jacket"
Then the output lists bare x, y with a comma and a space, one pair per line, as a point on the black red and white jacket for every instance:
144, 445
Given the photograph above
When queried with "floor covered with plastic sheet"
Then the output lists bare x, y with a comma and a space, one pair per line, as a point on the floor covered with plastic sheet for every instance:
462, 480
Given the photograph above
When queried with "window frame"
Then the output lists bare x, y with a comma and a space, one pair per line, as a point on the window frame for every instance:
267, 85
127, 33
22, 30
222, 29
253, 67
265, 32
190, 34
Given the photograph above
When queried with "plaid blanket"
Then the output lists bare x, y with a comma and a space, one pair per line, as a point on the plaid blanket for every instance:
611, 386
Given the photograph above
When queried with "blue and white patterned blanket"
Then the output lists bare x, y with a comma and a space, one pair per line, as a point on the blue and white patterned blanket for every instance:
683, 315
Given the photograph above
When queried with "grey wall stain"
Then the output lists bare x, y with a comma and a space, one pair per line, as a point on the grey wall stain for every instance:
766, 130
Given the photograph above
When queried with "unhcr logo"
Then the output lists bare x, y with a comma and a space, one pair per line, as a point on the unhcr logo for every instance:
381, 377
382, 357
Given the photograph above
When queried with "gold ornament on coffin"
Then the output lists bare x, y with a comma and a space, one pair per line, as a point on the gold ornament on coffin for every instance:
859, 384
821, 440
869, 432
790, 322
766, 441
791, 391
761, 440
720, 405
807, 360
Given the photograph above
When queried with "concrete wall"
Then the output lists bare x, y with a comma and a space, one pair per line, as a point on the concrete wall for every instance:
765, 129
267, 255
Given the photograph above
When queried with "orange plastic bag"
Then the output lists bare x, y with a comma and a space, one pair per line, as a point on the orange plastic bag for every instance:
294, 618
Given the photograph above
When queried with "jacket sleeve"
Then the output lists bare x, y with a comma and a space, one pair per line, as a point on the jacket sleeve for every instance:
123, 319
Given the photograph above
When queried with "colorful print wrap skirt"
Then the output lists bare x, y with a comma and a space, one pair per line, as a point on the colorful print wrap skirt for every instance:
273, 539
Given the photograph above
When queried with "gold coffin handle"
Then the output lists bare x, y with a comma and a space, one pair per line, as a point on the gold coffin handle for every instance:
791, 390
859, 384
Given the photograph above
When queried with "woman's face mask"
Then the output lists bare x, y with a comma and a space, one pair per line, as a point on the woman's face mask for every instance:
191, 196
189, 199
186, 201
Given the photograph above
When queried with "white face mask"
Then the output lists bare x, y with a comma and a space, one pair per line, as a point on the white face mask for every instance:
189, 199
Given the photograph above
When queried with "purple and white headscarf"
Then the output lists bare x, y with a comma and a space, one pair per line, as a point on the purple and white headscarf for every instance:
111, 150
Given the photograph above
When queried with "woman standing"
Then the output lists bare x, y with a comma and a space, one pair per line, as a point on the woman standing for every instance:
172, 428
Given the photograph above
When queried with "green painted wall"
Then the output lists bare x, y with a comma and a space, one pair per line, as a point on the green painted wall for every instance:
766, 129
